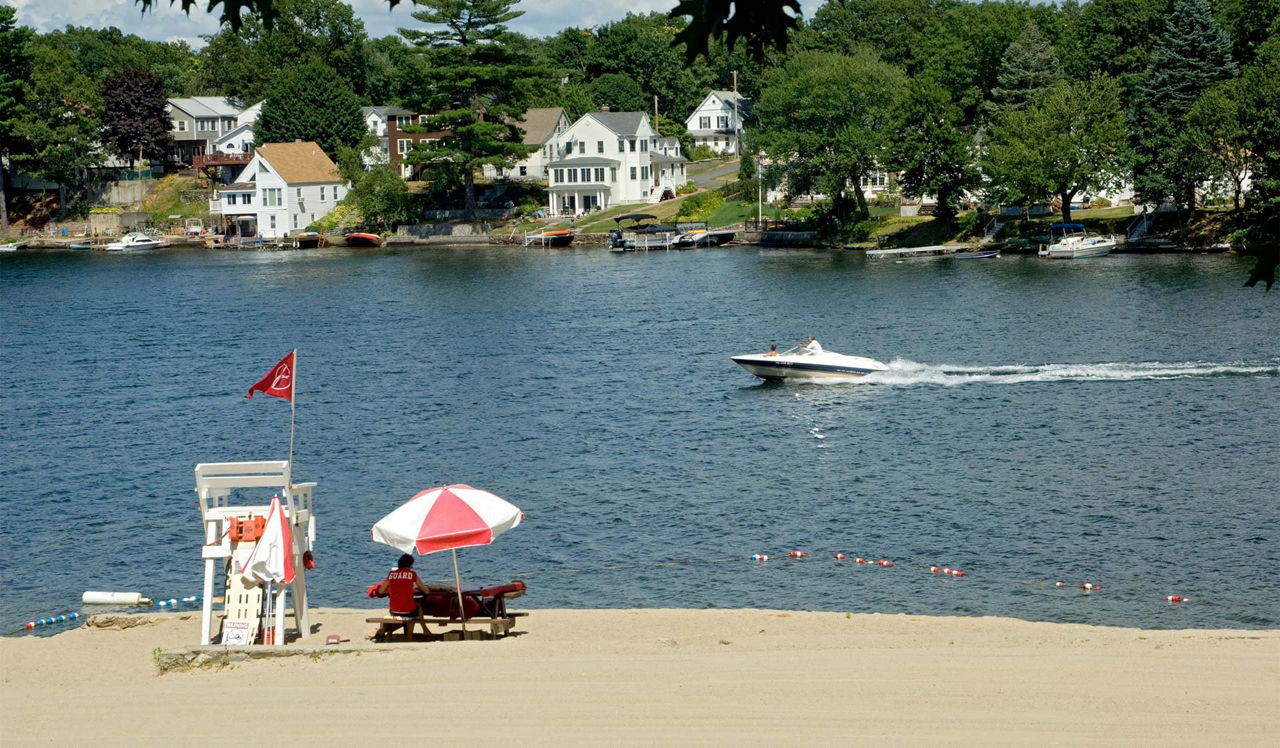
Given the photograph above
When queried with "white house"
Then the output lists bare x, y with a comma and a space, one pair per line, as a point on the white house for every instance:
285, 187
612, 158
375, 121
239, 140
541, 128
717, 122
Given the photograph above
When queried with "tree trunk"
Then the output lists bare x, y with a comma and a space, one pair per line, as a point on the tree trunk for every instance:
1065, 196
863, 211
469, 206
4, 203
944, 210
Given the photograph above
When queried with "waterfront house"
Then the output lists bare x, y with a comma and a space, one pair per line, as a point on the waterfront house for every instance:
403, 142
612, 158
284, 188
197, 123
541, 127
717, 122
375, 120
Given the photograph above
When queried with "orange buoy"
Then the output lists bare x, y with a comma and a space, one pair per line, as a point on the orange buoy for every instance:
839, 556
796, 554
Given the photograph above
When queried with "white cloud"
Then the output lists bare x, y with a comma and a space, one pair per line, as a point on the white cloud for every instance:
166, 23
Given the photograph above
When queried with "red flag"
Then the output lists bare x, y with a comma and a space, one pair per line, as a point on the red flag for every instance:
279, 381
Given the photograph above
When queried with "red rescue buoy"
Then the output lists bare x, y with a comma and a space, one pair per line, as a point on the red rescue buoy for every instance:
883, 562
1174, 598
839, 556
308, 561
957, 573
1062, 584
860, 560
934, 569
796, 554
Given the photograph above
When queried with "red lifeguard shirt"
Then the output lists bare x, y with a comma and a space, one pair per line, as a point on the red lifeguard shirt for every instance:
403, 583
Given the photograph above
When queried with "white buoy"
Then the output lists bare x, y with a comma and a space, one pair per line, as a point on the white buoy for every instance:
93, 597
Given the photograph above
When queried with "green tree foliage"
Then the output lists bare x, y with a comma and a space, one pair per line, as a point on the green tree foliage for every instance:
15, 68
1115, 37
241, 62
642, 48
135, 122
931, 149
1029, 67
99, 53
895, 28
618, 92
60, 119
1192, 56
311, 102
1068, 142
478, 67
1216, 130
823, 120
382, 198
1250, 23
1260, 87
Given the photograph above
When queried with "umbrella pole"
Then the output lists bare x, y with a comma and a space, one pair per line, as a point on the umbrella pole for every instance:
457, 581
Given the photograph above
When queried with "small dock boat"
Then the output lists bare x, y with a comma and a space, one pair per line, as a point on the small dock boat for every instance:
1072, 241
641, 236
309, 240
133, 242
701, 235
12, 246
363, 239
558, 238
799, 363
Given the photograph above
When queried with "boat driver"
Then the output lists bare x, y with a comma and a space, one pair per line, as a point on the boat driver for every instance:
813, 346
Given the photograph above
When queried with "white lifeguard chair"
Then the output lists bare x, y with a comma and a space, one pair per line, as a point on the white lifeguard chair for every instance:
215, 481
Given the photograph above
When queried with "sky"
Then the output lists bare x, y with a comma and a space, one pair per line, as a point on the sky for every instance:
166, 23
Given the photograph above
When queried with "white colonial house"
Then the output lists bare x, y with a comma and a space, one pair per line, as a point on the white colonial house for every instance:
239, 140
542, 126
717, 122
612, 158
284, 188
375, 121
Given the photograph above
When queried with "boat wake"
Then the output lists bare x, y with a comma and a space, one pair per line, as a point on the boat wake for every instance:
903, 373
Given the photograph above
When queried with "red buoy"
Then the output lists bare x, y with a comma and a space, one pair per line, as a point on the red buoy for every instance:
839, 556
1062, 584
883, 562
1174, 598
934, 569
796, 554
860, 560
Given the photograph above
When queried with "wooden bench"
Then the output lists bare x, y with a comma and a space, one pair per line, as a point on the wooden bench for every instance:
388, 624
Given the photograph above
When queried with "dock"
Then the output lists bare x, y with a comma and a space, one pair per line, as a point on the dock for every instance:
914, 251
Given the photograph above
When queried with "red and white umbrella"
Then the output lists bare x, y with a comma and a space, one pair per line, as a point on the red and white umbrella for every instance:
447, 518
271, 562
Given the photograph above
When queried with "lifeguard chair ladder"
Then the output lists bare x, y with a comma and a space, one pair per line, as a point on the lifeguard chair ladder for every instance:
215, 482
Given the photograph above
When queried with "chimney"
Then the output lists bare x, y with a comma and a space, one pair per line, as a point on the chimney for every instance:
604, 108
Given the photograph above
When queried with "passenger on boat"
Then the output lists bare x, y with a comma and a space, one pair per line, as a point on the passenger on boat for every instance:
773, 350
812, 346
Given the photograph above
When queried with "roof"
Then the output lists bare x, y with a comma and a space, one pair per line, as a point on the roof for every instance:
585, 161
385, 111
299, 162
622, 123
665, 159
539, 123
239, 187
206, 106
745, 106
231, 134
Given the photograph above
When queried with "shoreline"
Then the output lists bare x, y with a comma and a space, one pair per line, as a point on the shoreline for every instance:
661, 676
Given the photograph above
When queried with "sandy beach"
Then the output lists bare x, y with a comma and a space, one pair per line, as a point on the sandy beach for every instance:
661, 677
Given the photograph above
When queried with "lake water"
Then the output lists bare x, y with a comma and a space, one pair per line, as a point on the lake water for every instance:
1110, 420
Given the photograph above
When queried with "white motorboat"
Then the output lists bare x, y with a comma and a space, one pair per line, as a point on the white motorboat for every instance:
1072, 241
799, 363
13, 247
133, 241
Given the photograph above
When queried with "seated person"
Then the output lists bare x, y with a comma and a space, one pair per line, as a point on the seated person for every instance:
812, 346
773, 350
400, 585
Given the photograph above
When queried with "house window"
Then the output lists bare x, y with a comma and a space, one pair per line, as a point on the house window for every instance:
632, 142
600, 174
228, 123
582, 147
298, 193
295, 220
568, 148
644, 172
633, 172
644, 146
402, 146
180, 125
613, 173
621, 145
599, 146
573, 175
704, 123
524, 171
231, 198
262, 167
273, 220
248, 199
322, 194
722, 123
586, 175
422, 119
559, 176
403, 120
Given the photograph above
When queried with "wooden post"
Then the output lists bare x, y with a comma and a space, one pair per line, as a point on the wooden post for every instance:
737, 144
655, 111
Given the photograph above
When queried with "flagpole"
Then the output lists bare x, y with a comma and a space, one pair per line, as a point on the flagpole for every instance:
293, 385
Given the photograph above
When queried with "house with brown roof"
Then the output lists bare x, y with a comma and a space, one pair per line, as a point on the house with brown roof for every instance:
541, 127
284, 188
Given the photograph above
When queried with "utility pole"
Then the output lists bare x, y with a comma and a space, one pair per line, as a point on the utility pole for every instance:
655, 111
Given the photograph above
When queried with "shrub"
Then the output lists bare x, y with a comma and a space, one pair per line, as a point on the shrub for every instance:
1100, 202
700, 207
969, 224
702, 153
686, 188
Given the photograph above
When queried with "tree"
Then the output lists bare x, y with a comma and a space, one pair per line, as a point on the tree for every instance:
1216, 129
931, 149
1192, 56
1115, 37
135, 123
311, 103
1068, 142
15, 68
619, 92
1029, 67
1260, 86
59, 121
823, 120
382, 198
1250, 23
478, 93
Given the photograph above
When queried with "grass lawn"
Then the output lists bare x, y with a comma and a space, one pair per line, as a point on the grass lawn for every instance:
166, 199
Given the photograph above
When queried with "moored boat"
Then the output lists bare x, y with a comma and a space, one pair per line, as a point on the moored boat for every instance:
363, 239
702, 235
558, 238
1073, 241
800, 363
12, 246
132, 242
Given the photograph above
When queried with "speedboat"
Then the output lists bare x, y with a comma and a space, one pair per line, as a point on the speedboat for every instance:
12, 247
1071, 241
558, 238
702, 236
130, 242
800, 363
